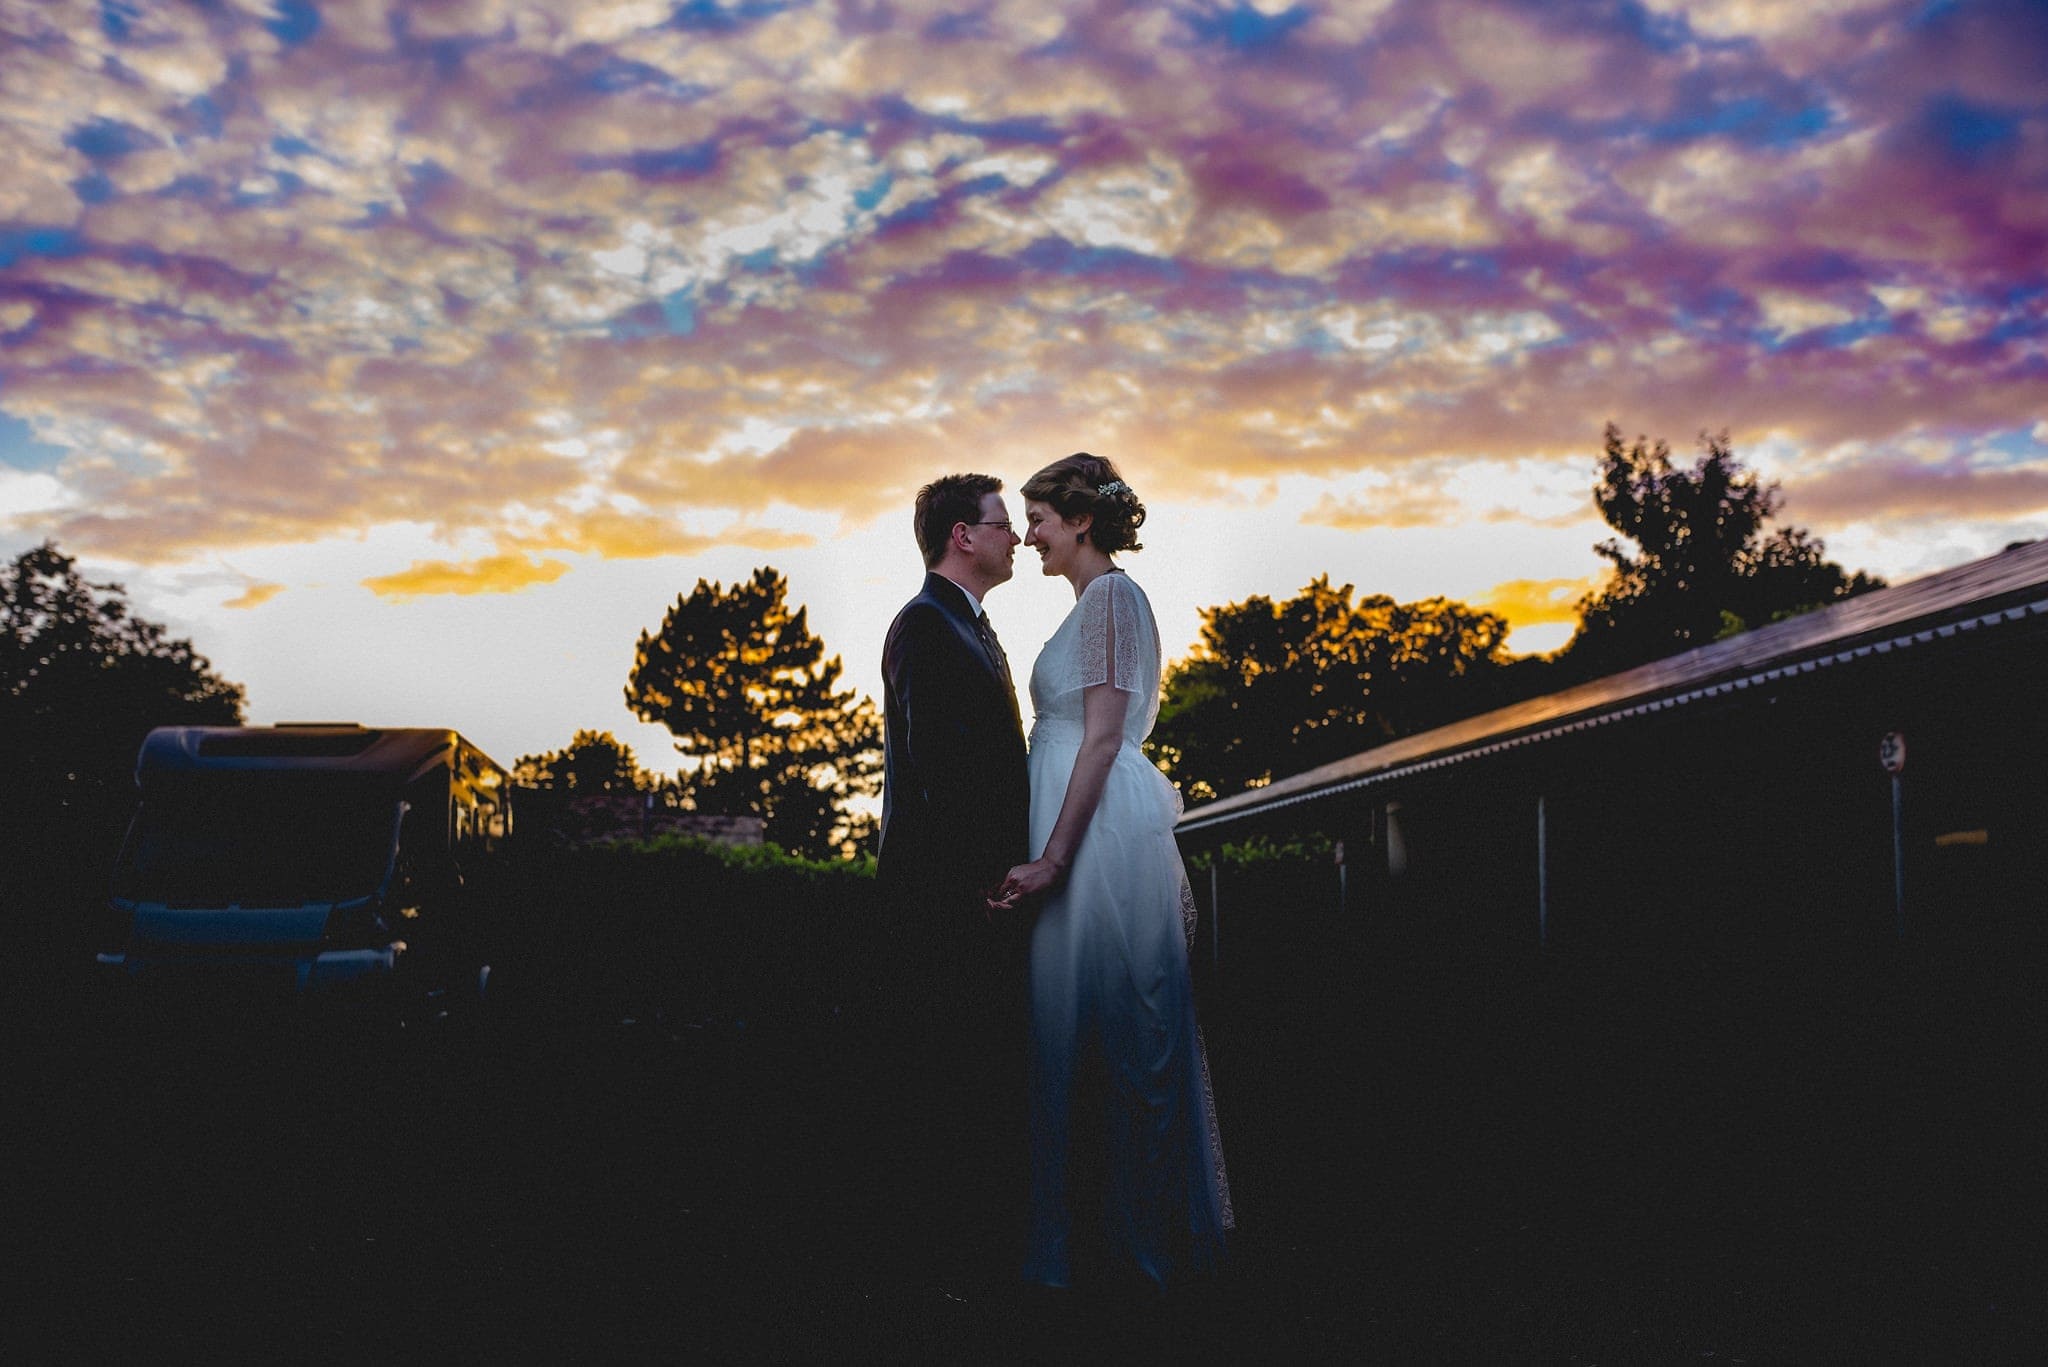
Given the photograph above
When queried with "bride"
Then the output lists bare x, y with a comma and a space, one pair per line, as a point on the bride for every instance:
1119, 1083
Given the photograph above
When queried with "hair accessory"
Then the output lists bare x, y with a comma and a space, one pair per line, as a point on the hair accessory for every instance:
1114, 487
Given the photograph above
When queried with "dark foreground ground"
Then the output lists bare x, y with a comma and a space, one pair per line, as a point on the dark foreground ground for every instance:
1523, 1162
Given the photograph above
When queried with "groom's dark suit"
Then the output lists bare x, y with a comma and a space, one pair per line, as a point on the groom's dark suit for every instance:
955, 794
955, 819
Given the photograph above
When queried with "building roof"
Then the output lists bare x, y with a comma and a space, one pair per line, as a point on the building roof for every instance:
2008, 587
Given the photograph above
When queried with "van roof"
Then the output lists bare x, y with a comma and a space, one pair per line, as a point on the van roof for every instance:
401, 752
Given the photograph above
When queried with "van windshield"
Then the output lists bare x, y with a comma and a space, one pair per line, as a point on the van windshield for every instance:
258, 840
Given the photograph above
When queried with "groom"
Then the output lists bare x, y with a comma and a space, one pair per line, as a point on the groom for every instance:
955, 820
955, 795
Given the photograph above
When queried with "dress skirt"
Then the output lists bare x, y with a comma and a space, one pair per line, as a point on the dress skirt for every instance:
1114, 1032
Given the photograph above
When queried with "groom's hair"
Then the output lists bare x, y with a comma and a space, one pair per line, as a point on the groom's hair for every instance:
948, 500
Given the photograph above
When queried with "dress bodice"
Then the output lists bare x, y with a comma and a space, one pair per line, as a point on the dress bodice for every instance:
1109, 637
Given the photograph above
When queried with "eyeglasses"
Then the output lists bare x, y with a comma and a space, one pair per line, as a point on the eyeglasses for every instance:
1004, 523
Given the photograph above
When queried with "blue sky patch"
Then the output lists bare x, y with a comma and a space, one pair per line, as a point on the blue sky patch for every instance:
107, 139
1033, 131
1846, 334
1752, 119
1933, 12
1245, 29
667, 163
117, 18
187, 187
1971, 133
617, 73
873, 193
1061, 257
15, 243
679, 312
948, 27
709, 16
2018, 330
204, 116
1719, 309
294, 21
1663, 33
636, 324
2014, 446
20, 449
920, 211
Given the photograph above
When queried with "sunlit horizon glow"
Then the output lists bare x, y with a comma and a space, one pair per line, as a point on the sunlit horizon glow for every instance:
413, 358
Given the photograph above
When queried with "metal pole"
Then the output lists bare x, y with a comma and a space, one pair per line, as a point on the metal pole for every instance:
1898, 859
1542, 877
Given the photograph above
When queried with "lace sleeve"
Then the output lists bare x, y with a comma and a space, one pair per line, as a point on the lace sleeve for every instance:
1110, 635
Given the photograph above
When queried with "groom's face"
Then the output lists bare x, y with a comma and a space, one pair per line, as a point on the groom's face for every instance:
993, 542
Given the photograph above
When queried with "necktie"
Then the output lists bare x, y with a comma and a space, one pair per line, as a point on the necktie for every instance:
987, 632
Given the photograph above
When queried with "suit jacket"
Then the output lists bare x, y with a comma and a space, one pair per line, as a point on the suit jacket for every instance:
955, 791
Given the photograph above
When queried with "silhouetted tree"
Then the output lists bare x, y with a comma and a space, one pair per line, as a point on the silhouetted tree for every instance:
593, 762
1271, 689
744, 686
1695, 559
82, 681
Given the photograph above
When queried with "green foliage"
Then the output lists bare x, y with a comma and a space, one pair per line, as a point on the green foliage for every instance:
744, 686
1263, 851
762, 858
1695, 559
593, 762
1271, 689
82, 681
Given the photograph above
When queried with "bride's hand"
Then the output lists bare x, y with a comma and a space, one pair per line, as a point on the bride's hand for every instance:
1027, 881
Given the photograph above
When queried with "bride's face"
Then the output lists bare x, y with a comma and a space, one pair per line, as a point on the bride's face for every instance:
1052, 536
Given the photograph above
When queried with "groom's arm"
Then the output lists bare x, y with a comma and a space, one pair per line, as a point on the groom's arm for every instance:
934, 686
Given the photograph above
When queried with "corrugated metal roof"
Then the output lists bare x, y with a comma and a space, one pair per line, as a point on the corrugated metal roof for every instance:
2010, 586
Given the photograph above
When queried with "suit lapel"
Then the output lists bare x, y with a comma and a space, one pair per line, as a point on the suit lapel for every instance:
954, 599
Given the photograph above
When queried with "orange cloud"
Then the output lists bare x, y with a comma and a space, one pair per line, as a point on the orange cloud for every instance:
255, 596
1532, 602
490, 574
1397, 506
643, 536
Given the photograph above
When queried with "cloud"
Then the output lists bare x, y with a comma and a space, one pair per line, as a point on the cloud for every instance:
1535, 602
254, 596
489, 574
630, 281
1386, 507
1891, 488
28, 495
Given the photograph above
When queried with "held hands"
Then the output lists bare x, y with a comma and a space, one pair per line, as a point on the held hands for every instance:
1025, 882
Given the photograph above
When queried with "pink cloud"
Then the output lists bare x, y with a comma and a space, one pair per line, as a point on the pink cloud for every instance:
800, 263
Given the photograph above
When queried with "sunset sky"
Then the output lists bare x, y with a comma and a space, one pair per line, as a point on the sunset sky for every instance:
411, 358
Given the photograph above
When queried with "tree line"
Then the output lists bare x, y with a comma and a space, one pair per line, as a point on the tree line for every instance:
767, 727
1275, 688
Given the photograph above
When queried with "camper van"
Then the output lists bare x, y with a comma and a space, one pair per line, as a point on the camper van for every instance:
322, 860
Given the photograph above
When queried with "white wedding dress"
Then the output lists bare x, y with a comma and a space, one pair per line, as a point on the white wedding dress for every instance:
1112, 1015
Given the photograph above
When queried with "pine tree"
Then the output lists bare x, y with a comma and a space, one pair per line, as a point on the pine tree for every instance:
744, 686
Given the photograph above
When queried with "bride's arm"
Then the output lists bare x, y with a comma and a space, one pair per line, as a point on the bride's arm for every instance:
1102, 732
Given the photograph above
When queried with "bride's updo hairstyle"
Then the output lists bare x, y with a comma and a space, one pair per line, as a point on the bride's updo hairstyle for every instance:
1085, 485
